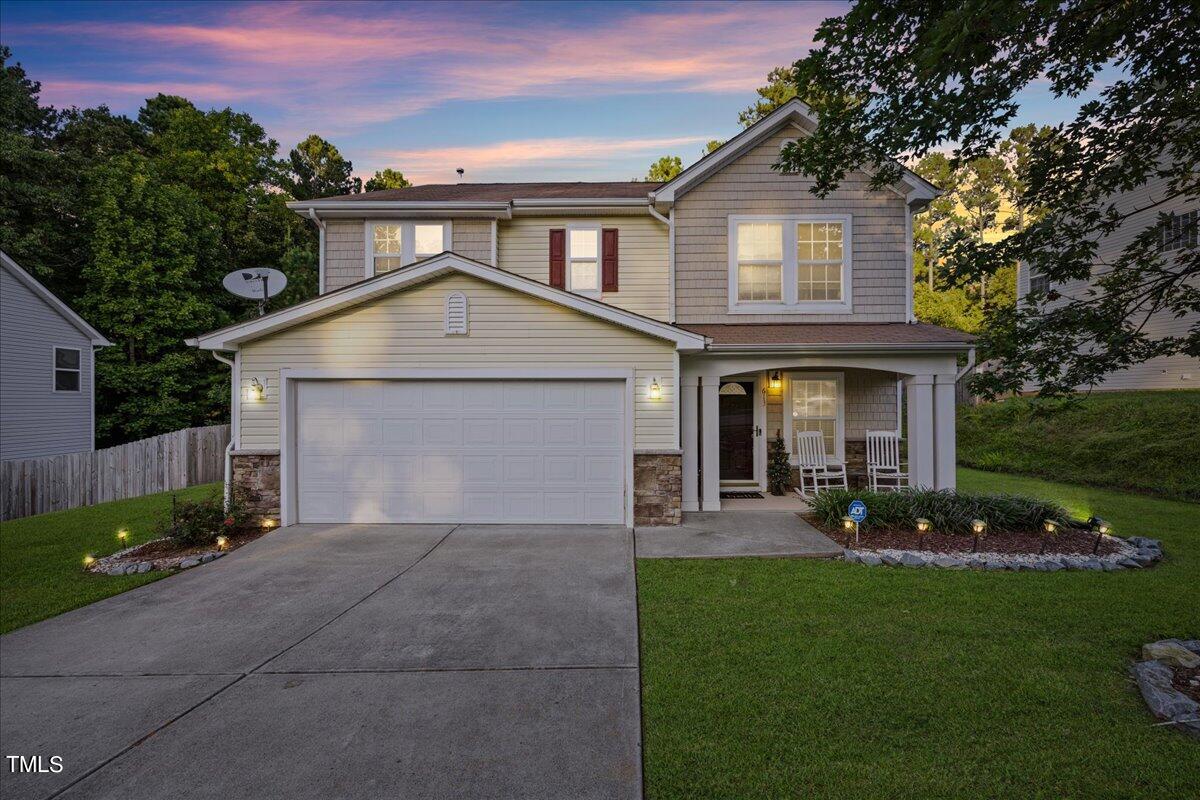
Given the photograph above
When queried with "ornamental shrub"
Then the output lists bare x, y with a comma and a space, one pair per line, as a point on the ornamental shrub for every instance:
199, 522
779, 468
947, 510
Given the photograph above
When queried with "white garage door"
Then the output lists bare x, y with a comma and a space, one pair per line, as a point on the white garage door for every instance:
460, 451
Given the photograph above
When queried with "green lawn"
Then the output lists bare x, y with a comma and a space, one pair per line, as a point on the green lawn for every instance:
41, 557
1136, 441
770, 678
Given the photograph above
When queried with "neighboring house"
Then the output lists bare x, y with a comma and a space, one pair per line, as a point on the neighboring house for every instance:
589, 352
47, 366
1171, 372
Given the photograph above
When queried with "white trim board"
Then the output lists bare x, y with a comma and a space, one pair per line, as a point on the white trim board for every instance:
446, 263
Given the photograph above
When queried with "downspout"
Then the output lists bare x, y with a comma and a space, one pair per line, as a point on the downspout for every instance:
320, 223
970, 365
669, 221
232, 426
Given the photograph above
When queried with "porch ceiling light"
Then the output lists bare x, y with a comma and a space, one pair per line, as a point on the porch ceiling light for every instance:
655, 390
775, 381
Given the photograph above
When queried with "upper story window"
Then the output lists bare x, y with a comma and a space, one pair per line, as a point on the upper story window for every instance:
1038, 283
583, 259
66, 369
1178, 231
789, 264
395, 244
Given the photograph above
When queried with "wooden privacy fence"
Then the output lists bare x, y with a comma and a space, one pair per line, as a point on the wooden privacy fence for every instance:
163, 463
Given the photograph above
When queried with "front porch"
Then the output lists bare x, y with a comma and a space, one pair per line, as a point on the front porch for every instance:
732, 406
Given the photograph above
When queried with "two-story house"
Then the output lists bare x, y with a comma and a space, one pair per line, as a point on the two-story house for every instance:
589, 352
1178, 233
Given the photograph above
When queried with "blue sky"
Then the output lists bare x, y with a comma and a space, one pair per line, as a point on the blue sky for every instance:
509, 91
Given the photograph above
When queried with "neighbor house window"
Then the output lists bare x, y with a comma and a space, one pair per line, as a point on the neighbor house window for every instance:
1038, 283
816, 404
789, 264
66, 369
1178, 231
583, 259
391, 245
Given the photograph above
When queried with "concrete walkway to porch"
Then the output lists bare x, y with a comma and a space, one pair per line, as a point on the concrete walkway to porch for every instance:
724, 534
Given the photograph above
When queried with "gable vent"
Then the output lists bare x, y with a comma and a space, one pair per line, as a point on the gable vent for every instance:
456, 313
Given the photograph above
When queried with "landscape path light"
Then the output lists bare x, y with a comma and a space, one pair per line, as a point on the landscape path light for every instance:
1101, 528
978, 527
222, 543
1051, 528
923, 526
88, 560
123, 536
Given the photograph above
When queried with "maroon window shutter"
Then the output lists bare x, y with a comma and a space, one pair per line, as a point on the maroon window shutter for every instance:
608, 260
558, 258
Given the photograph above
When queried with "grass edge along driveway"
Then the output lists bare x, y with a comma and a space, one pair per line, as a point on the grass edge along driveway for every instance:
41, 557
766, 678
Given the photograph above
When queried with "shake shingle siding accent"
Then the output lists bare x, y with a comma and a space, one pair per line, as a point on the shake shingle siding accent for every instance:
345, 253
473, 239
36, 420
750, 186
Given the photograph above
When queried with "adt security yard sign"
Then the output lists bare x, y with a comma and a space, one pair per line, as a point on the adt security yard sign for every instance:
856, 513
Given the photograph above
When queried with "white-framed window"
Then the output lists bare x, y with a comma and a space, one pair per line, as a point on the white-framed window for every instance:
816, 401
1038, 283
1178, 231
392, 244
790, 264
67, 369
583, 259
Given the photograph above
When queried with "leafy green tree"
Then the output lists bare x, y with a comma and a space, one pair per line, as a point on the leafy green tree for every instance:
665, 169
387, 179
933, 227
981, 196
150, 277
931, 74
711, 145
316, 168
780, 88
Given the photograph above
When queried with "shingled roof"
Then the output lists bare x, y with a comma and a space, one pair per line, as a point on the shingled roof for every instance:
505, 192
838, 333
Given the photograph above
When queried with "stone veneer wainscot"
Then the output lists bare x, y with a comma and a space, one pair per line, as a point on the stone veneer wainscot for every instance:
657, 487
256, 478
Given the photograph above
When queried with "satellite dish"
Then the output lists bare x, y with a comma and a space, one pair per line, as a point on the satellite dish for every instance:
260, 283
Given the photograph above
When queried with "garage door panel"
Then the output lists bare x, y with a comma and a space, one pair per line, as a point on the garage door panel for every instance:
445, 451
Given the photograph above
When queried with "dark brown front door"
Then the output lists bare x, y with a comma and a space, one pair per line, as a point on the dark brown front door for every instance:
737, 435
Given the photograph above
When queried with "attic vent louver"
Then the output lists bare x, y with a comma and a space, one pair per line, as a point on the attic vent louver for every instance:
456, 313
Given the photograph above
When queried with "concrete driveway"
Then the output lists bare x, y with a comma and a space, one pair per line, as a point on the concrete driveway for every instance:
344, 661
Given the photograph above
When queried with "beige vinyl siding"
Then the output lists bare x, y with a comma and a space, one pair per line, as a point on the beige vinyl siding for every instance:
507, 329
345, 253
346, 242
750, 186
472, 238
1171, 372
643, 277
870, 402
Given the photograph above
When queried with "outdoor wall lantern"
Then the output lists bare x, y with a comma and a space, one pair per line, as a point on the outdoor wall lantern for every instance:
655, 389
775, 381
254, 392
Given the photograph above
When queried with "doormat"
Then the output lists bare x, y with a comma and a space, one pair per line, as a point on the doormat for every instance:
741, 496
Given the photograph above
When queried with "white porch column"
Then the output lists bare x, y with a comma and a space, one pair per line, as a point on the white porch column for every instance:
689, 423
919, 389
945, 453
710, 456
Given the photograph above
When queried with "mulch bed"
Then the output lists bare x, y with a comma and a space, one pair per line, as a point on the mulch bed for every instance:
165, 548
1066, 541
1187, 680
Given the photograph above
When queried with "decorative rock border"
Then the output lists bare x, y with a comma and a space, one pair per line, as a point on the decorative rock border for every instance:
1154, 678
1133, 553
117, 563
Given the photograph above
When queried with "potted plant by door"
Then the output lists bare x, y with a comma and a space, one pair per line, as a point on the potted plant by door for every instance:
779, 468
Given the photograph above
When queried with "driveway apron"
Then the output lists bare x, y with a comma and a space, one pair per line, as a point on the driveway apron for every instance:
344, 661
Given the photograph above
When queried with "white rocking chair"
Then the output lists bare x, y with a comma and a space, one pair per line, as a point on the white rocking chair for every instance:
824, 473
884, 472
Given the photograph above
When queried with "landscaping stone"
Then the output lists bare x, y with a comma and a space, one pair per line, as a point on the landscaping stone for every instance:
1192, 644
1154, 680
870, 559
1110, 566
207, 557
949, 562
188, 563
1142, 559
889, 560
909, 559
1053, 566
1128, 563
850, 556
144, 567
1128, 556
1171, 651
